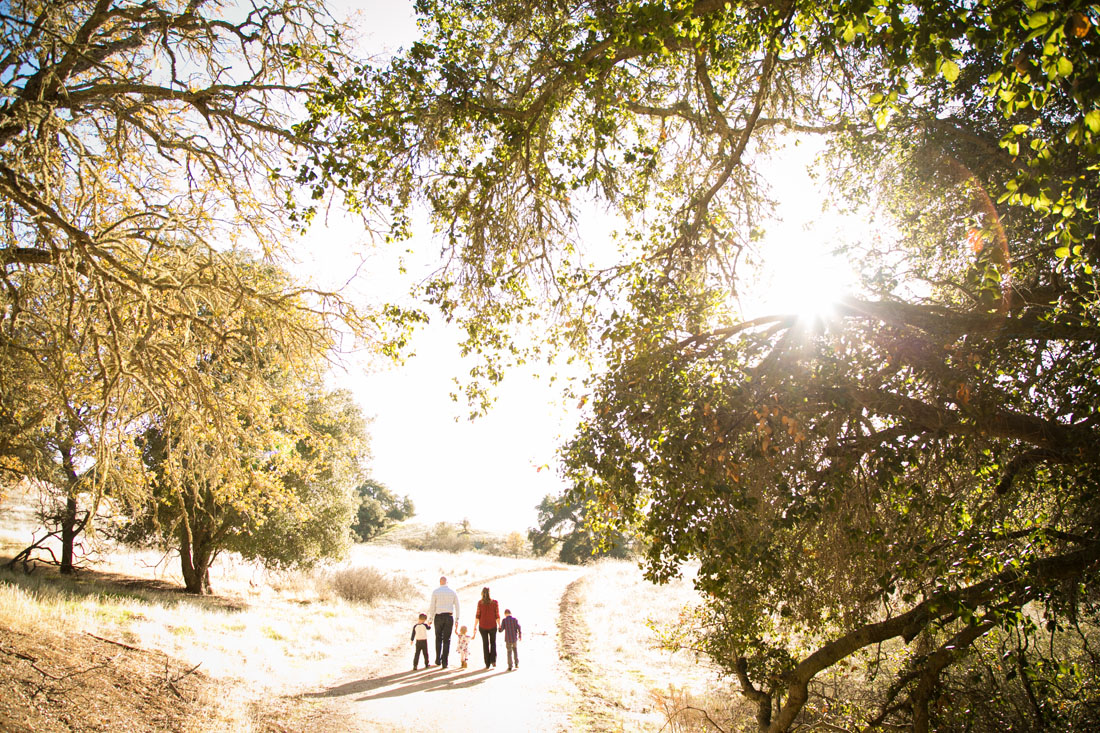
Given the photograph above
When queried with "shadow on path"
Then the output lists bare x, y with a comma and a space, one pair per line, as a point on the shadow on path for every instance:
357, 686
435, 683
406, 683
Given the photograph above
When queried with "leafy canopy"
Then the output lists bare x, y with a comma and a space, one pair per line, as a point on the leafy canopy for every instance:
919, 468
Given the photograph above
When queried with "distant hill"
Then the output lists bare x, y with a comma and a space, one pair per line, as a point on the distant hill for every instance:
452, 537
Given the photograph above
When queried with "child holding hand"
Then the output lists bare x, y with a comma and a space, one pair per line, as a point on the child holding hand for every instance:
420, 638
463, 646
512, 635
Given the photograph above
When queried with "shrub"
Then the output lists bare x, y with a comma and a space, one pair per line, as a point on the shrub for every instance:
367, 585
443, 537
516, 545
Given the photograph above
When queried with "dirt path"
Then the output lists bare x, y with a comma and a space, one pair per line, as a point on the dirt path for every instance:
538, 696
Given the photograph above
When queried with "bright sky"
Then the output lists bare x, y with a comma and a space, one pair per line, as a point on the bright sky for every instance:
492, 471
801, 274
495, 470
485, 471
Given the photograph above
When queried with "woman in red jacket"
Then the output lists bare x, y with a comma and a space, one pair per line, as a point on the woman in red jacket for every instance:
488, 617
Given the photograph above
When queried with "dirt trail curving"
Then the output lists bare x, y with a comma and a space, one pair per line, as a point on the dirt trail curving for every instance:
539, 696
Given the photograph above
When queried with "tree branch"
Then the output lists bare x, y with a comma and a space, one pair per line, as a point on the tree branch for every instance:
1025, 583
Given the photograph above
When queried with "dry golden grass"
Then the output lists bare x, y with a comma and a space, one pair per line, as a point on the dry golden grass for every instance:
263, 634
267, 637
641, 686
280, 631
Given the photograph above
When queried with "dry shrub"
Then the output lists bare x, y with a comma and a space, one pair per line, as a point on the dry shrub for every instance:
290, 582
685, 711
367, 585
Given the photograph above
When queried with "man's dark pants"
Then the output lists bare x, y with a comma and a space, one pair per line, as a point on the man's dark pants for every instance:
444, 626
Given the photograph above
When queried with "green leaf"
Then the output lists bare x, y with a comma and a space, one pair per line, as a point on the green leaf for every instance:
1064, 66
1061, 252
1092, 119
950, 70
1037, 20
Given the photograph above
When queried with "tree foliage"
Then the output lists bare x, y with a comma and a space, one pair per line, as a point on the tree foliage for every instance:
267, 468
379, 509
145, 170
58, 420
564, 524
140, 146
283, 494
917, 471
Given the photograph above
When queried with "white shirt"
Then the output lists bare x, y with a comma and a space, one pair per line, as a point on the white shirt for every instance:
444, 600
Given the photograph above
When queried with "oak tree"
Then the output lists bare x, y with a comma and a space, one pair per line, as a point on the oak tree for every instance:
267, 467
564, 525
379, 508
140, 144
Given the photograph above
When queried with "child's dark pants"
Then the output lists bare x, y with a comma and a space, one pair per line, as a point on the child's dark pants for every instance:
421, 646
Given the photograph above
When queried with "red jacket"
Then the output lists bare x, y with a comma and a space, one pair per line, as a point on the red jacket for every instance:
488, 615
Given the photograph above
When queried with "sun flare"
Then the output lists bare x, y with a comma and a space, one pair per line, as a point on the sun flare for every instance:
800, 275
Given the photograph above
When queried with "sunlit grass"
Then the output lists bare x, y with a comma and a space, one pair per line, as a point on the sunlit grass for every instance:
262, 635
634, 672
278, 632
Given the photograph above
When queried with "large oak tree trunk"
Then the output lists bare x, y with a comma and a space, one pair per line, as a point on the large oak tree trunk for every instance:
196, 556
196, 569
196, 572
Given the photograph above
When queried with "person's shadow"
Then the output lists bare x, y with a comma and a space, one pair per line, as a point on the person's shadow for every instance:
406, 683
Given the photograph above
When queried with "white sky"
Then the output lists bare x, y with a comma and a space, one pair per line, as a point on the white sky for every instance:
495, 470
492, 471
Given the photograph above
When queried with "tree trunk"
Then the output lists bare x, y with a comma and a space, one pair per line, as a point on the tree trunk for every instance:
196, 569
926, 683
937, 661
196, 556
761, 699
68, 535
68, 517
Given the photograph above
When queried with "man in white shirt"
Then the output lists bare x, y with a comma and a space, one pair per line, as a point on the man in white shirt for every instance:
443, 610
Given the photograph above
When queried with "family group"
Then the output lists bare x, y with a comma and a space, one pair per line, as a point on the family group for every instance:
443, 612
